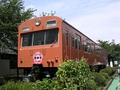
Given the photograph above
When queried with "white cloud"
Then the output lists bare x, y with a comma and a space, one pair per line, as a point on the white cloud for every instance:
98, 19
103, 23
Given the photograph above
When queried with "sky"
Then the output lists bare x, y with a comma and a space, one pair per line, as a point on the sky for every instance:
97, 19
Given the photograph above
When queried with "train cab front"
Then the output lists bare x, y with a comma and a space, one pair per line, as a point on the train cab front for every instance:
39, 47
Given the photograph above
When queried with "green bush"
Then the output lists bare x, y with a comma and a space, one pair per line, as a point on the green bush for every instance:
91, 85
99, 79
46, 84
99, 88
73, 75
114, 69
109, 70
11, 85
105, 75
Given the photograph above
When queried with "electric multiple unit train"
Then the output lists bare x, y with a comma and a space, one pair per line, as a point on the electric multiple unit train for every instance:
46, 42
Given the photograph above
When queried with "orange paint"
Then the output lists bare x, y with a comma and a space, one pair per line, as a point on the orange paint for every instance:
48, 41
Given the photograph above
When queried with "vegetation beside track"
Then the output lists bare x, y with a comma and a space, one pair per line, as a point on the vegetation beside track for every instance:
71, 75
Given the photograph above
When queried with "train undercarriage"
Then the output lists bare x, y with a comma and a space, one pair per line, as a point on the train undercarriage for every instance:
38, 72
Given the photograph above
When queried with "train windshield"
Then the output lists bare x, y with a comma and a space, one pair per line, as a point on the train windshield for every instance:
43, 37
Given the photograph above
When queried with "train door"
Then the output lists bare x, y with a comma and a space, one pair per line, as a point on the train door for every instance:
74, 47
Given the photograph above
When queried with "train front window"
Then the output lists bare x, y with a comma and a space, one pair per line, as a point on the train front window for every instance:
43, 37
38, 38
51, 36
27, 39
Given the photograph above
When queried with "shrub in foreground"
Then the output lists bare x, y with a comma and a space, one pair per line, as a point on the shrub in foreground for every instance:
46, 84
91, 85
109, 70
99, 79
73, 75
11, 85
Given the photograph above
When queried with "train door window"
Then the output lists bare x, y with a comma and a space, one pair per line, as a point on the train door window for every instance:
97, 51
92, 48
67, 38
73, 42
83, 45
76, 44
27, 39
88, 45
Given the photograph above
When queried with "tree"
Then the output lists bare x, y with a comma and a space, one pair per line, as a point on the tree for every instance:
12, 13
113, 50
48, 14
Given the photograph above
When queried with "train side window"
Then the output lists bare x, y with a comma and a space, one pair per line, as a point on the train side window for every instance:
73, 41
92, 48
67, 38
84, 46
88, 47
27, 39
76, 43
97, 51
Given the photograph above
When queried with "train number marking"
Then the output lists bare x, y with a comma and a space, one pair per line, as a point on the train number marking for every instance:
37, 57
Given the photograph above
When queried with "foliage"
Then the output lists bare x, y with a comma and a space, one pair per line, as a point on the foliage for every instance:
99, 79
92, 85
12, 13
109, 70
11, 85
107, 77
52, 13
46, 84
73, 75
113, 50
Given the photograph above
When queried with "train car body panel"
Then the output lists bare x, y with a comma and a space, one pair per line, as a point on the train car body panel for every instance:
50, 54
74, 48
49, 41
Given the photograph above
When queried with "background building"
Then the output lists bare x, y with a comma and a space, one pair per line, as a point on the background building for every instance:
8, 63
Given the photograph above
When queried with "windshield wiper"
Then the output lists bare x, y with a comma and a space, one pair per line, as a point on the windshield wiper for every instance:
53, 43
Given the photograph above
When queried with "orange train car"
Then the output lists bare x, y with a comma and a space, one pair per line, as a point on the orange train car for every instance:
48, 41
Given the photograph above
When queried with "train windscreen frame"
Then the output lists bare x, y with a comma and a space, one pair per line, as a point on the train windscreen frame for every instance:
42, 37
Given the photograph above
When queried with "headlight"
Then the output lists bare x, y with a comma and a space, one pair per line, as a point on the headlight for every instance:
37, 22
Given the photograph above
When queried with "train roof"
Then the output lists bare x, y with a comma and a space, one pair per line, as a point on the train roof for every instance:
80, 32
64, 22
